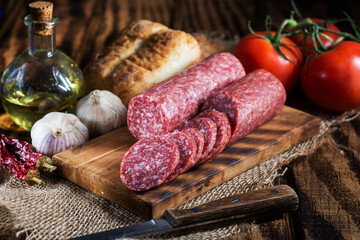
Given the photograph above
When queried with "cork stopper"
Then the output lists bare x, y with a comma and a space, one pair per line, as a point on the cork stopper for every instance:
41, 11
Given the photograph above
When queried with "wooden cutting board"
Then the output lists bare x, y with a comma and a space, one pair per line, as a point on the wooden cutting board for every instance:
95, 165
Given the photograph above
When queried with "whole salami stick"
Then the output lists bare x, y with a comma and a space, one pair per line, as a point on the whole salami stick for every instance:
166, 105
249, 102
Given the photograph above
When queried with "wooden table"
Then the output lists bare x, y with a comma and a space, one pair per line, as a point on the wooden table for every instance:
326, 181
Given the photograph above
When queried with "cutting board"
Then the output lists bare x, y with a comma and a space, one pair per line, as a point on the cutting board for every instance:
95, 165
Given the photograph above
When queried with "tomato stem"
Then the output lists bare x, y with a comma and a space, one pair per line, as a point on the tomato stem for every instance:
278, 34
37, 180
317, 38
353, 25
296, 10
275, 39
311, 29
314, 30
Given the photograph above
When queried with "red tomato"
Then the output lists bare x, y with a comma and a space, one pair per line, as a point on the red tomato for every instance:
298, 39
331, 80
255, 52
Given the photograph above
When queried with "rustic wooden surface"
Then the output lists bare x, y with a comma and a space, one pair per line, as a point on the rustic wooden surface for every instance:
327, 181
95, 165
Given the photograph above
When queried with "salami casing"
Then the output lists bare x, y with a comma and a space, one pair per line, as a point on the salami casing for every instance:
249, 102
161, 108
188, 148
223, 131
149, 162
208, 128
199, 140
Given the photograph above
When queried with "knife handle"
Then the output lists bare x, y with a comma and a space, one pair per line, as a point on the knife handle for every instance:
249, 205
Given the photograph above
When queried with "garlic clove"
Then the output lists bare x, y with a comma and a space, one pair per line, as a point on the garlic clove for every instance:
101, 111
57, 132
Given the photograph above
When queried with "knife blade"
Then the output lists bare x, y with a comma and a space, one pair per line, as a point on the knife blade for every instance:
240, 207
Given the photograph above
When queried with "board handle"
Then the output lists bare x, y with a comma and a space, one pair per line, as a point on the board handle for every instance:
249, 205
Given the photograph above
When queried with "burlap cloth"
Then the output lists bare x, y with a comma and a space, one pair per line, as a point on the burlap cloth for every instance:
62, 210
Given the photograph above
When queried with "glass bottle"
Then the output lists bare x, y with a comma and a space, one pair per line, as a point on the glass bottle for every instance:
42, 79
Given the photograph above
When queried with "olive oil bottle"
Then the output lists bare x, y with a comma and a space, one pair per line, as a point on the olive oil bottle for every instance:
42, 79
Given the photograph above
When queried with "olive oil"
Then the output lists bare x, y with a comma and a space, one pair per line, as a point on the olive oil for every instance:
42, 79
26, 115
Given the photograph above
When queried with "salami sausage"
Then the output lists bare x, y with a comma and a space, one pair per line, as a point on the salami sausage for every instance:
164, 106
149, 162
208, 128
188, 148
199, 140
223, 131
249, 102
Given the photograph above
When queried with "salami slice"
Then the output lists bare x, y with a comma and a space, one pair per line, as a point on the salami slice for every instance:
199, 140
162, 107
249, 102
188, 148
149, 162
223, 131
208, 128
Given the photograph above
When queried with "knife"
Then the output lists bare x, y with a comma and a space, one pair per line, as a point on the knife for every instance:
240, 207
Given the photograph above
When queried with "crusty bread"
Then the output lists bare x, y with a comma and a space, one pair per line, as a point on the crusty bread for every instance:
129, 40
165, 54
144, 54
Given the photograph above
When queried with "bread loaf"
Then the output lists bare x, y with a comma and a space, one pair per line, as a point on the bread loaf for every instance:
144, 54
130, 39
165, 54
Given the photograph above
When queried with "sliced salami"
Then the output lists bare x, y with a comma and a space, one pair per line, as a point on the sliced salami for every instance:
162, 107
208, 128
223, 131
149, 162
199, 140
188, 148
249, 102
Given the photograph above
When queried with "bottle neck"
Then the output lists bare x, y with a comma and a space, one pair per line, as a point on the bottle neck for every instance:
42, 40
41, 45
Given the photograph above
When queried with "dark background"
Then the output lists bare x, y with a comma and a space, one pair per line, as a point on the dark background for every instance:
95, 23
326, 181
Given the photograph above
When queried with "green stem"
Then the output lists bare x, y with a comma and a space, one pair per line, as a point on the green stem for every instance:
313, 39
278, 34
304, 23
37, 180
45, 164
344, 34
48, 167
268, 26
317, 38
32, 177
296, 9
353, 25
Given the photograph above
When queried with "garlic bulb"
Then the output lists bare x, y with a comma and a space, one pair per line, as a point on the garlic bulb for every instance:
57, 132
101, 111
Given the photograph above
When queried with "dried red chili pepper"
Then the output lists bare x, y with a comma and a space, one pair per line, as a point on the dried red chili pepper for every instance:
21, 159
27, 153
